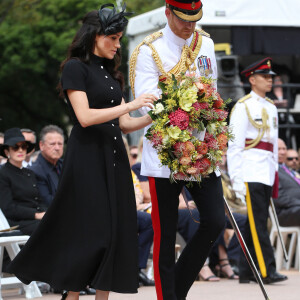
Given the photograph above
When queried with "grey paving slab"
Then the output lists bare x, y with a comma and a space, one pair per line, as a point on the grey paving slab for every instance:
224, 290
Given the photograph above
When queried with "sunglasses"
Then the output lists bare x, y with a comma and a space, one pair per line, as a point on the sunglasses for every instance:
16, 147
291, 158
134, 155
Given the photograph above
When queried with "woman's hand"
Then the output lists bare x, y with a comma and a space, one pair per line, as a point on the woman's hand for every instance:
142, 100
39, 216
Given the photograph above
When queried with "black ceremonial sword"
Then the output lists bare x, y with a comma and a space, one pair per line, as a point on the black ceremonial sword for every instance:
244, 248
278, 230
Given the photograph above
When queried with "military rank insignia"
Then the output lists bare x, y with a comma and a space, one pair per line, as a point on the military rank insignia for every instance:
204, 65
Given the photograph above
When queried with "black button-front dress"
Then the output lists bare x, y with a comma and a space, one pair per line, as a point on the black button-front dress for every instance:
89, 234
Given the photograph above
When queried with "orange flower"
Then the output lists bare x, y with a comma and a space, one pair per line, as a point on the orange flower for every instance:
222, 141
185, 160
189, 146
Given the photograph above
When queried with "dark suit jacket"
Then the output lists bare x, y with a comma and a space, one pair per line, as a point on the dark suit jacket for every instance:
19, 195
47, 178
288, 202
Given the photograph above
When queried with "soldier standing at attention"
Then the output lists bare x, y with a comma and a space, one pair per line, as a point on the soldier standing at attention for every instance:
253, 164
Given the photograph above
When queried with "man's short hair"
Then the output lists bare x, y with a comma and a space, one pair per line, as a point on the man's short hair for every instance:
50, 129
27, 130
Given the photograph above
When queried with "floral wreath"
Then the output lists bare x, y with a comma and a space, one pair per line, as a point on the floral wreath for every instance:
189, 131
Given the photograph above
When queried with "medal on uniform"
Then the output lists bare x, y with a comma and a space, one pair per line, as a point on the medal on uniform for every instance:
204, 65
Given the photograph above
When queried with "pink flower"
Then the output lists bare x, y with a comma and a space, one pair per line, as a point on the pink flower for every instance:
209, 90
222, 114
200, 87
211, 141
192, 171
179, 148
185, 160
202, 105
179, 118
213, 144
156, 139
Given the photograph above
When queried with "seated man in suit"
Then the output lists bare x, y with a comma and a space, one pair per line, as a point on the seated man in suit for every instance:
48, 165
288, 202
292, 161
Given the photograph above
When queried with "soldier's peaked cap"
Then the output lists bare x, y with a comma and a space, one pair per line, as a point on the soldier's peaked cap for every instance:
186, 10
263, 66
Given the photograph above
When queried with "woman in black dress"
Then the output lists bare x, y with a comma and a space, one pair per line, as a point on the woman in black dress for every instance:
20, 199
89, 234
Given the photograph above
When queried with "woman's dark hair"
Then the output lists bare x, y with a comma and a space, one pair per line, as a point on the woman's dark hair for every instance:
82, 47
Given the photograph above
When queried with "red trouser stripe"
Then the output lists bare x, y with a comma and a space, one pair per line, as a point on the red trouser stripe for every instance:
157, 237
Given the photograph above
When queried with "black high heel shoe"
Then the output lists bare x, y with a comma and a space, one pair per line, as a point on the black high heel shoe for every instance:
64, 295
222, 273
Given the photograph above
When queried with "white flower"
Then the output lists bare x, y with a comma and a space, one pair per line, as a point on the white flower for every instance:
158, 108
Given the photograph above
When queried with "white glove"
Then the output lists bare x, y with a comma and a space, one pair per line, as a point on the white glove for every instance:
240, 190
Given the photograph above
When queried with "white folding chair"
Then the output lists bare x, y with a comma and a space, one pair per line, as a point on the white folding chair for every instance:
11, 244
293, 246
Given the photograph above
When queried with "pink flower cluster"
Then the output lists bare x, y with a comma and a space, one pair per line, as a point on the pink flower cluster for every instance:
198, 106
156, 139
211, 141
222, 114
179, 118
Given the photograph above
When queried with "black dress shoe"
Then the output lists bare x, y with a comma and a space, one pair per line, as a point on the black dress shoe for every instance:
82, 293
273, 278
64, 295
246, 279
43, 287
145, 280
90, 291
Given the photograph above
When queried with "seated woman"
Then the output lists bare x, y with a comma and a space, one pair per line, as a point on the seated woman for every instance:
20, 200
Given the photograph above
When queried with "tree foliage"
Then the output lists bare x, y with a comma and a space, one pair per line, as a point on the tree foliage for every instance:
34, 37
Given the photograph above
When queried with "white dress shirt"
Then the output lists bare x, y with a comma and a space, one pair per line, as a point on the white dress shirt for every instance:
252, 165
169, 48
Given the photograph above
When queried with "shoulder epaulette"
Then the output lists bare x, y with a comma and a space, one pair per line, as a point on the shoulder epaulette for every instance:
148, 40
244, 98
202, 32
152, 37
269, 100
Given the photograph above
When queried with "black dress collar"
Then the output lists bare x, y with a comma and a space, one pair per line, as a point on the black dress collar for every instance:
97, 59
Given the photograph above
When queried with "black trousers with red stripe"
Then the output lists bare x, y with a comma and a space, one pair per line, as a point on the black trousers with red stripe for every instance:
260, 200
173, 281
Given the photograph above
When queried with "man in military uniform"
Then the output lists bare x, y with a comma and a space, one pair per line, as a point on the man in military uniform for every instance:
178, 48
252, 165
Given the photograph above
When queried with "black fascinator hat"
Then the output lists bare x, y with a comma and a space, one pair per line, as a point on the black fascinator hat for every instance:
111, 20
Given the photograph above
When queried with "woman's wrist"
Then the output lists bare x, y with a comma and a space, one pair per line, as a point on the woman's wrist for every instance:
130, 107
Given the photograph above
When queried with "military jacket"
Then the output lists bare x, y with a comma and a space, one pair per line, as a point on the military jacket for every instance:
169, 47
253, 165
